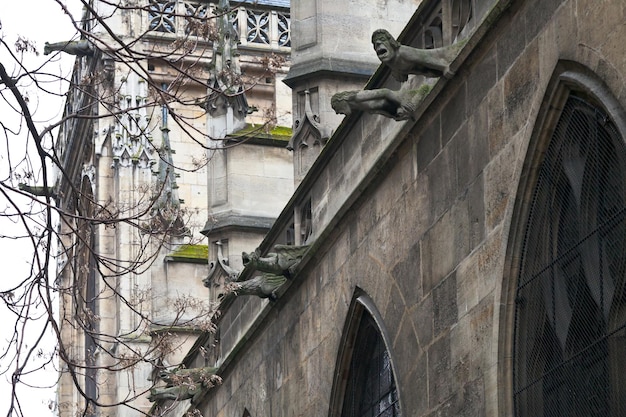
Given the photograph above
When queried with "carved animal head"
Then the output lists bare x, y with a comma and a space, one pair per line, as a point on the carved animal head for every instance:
246, 258
251, 257
385, 45
340, 102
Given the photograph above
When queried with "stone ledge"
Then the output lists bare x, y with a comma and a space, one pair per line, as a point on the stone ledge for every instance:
333, 66
231, 221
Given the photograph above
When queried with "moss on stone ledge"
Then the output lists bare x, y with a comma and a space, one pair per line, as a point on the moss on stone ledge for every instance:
189, 253
278, 133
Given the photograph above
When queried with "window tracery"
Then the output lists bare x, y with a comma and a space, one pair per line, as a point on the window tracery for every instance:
196, 22
258, 27
570, 304
284, 30
161, 16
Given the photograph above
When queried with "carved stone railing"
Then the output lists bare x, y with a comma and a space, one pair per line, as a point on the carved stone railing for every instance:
264, 29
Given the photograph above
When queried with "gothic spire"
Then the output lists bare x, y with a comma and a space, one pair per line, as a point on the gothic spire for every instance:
225, 84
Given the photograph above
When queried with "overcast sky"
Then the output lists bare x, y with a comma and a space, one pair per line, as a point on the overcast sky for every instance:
39, 21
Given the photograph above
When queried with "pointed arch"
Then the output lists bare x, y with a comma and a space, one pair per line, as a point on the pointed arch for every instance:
565, 320
364, 383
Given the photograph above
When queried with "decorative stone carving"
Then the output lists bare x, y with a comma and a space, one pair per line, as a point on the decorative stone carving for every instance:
264, 286
220, 267
399, 105
225, 84
308, 126
404, 60
178, 393
278, 267
166, 209
38, 190
281, 262
162, 15
78, 48
184, 384
131, 142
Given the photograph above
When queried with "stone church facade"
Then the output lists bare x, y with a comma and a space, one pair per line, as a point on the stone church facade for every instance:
126, 284
466, 261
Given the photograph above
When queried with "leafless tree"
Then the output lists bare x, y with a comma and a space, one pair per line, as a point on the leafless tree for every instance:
57, 215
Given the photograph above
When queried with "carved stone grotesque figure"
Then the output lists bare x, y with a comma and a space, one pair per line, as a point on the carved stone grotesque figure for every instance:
404, 60
399, 105
263, 286
184, 384
176, 393
78, 48
281, 262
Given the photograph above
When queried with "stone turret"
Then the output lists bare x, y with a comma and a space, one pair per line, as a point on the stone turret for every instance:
339, 57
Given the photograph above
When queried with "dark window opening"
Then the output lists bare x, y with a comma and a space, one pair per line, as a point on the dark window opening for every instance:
370, 389
569, 353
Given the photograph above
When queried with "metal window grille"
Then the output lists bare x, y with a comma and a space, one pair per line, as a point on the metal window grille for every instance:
371, 390
569, 352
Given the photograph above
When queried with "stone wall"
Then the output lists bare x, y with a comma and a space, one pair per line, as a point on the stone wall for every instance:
422, 217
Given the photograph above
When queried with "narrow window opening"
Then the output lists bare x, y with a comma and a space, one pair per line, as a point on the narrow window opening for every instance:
371, 389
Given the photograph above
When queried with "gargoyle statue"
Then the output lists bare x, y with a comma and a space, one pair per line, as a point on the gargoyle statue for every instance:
264, 286
399, 105
37, 190
404, 60
283, 261
78, 48
184, 384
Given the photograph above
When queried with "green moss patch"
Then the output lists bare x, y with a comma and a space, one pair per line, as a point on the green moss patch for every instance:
190, 253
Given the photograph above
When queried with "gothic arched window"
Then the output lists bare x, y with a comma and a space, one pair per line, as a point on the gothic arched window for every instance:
569, 351
369, 388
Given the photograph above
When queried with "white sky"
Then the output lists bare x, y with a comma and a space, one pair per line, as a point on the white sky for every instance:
38, 21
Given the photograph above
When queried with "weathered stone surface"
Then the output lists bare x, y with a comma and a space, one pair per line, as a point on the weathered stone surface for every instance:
482, 78
395, 310
442, 182
423, 317
472, 147
438, 252
414, 388
499, 185
476, 212
454, 114
520, 87
427, 237
444, 304
509, 47
428, 143
481, 330
439, 371
538, 15
471, 399
407, 274
496, 120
